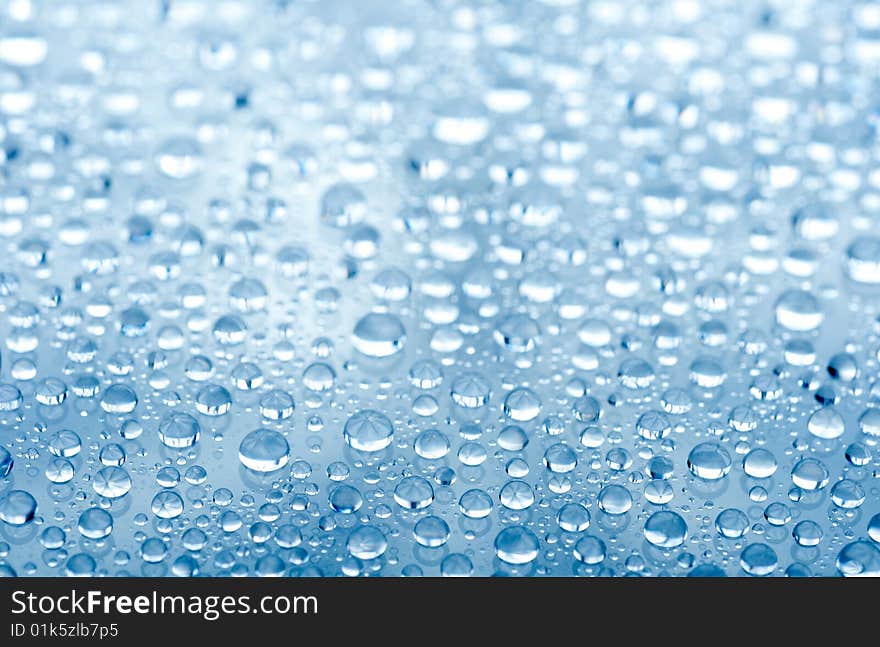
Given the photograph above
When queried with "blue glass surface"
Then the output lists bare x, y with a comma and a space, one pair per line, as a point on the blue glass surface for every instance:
439, 288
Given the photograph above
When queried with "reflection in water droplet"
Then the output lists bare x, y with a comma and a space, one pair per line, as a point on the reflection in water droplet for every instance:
119, 398
863, 259
516, 545
6, 462
709, 461
17, 507
798, 311
264, 450
366, 542
368, 431
758, 559
859, 559
179, 430
180, 158
414, 493
95, 523
378, 335
431, 532
665, 529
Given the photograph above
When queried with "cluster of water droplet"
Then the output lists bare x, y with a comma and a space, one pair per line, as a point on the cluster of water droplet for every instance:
444, 288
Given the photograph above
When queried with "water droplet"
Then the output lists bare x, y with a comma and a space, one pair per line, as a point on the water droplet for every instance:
368, 431
414, 493
379, 335
264, 450
179, 430
709, 461
516, 545
665, 529
17, 507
